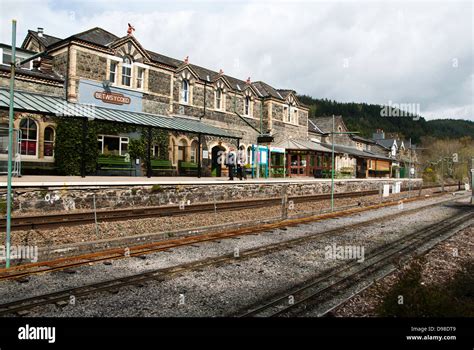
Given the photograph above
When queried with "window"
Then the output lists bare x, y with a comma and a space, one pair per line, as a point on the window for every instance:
156, 151
194, 152
112, 145
6, 58
182, 150
294, 118
247, 106
48, 142
249, 155
127, 71
140, 78
185, 91
219, 99
286, 114
29, 137
113, 71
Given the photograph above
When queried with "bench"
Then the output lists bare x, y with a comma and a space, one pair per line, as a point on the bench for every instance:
115, 163
188, 168
164, 166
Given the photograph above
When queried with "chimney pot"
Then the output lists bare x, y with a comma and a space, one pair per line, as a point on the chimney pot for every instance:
40, 31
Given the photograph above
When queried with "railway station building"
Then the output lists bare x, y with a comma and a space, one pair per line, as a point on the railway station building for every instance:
97, 103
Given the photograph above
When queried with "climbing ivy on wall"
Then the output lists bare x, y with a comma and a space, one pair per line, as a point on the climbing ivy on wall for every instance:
68, 143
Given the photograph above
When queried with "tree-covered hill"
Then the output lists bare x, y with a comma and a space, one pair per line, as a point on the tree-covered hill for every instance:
366, 118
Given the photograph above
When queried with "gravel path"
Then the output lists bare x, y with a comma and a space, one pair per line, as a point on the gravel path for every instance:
219, 291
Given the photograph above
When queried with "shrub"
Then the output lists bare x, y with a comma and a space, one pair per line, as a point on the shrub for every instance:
454, 298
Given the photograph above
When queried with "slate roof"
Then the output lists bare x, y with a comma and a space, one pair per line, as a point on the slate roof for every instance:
46, 40
312, 127
356, 152
387, 143
298, 144
32, 73
362, 139
325, 123
266, 90
285, 92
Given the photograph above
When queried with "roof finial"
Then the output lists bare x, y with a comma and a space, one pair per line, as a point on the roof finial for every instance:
186, 60
130, 29
248, 80
221, 72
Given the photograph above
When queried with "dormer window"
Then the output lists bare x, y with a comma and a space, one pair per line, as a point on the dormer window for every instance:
185, 91
127, 71
247, 105
219, 98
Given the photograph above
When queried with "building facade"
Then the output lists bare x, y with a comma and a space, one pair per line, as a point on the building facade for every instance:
98, 68
200, 113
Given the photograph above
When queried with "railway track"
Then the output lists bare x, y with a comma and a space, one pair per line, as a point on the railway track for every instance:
49, 221
62, 297
24, 270
319, 291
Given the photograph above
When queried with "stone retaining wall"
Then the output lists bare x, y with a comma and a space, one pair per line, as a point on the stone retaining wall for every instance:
66, 199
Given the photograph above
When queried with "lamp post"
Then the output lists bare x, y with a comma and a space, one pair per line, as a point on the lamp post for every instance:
10, 145
333, 160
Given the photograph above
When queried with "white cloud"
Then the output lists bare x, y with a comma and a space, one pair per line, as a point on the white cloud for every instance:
401, 52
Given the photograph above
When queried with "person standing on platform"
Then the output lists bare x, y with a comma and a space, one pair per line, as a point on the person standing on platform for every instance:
240, 164
231, 163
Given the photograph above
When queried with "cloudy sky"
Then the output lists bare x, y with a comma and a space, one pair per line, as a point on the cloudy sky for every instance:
369, 51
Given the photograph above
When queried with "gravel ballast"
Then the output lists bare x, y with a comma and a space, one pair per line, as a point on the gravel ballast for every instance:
223, 290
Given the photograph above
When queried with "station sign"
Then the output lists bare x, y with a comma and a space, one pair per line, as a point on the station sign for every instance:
112, 97
277, 149
100, 95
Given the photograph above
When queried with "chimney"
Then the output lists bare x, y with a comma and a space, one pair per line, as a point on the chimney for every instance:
40, 32
378, 135
46, 64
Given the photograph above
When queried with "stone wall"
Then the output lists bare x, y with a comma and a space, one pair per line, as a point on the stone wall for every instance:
60, 64
159, 82
35, 200
156, 104
91, 66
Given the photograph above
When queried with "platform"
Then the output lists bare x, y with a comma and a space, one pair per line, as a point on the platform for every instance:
59, 181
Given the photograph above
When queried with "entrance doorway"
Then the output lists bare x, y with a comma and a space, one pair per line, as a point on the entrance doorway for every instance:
217, 160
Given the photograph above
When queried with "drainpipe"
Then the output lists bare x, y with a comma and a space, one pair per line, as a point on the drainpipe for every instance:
67, 71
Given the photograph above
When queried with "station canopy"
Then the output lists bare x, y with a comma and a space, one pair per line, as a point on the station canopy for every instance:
356, 152
38, 103
301, 145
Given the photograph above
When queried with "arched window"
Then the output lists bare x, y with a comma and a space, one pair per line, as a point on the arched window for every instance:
249, 155
185, 91
194, 152
247, 105
127, 71
48, 142
219, 98
29, 137
182, 150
